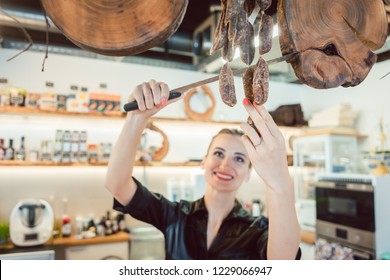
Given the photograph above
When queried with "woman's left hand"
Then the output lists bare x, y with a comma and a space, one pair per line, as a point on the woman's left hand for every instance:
267, 151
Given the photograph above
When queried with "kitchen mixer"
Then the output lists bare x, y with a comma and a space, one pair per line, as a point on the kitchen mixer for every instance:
31, 222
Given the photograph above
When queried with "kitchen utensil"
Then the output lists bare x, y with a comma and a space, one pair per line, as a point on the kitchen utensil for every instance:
31, 222
175, 93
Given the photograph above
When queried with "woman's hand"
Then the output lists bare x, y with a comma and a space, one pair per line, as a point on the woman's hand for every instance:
150, 97
267, 151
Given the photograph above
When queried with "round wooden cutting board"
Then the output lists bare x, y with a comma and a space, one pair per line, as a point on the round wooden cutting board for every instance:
335, 39
116, 27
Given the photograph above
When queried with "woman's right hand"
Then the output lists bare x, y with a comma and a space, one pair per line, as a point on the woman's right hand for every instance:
150, 97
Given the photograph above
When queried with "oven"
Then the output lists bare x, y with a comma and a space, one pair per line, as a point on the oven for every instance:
352, 215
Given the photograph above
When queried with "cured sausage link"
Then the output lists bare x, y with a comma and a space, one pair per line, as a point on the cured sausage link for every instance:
265, 34
226, 85
260, 85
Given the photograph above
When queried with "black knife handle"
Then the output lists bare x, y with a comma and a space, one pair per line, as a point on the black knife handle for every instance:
131, 106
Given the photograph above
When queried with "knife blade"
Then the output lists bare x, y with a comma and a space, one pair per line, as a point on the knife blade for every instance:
177, 92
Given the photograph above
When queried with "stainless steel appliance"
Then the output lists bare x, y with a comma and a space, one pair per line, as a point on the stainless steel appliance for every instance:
352, 213
31, 222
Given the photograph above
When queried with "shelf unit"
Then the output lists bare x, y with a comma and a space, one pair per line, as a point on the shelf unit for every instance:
24, 112
31, 112
117, 116
78, 164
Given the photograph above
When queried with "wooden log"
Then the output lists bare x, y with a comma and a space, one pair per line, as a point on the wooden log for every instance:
116, 27
335, 39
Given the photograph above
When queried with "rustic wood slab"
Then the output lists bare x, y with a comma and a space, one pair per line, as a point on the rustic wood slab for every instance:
335, 38
116, 27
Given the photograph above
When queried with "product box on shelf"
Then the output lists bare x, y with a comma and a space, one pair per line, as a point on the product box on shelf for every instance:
48, 102
32, 100
78, 102
102, 102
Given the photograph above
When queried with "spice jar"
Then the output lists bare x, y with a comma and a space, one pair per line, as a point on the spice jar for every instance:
92, 153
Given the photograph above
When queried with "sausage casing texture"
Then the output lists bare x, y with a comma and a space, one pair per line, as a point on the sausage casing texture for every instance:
247, 81
265, 34
264, 4
241, 25
228, 51
226, 85
233, 8
249, 7
247, 44
232, 28
221, 35
260, 84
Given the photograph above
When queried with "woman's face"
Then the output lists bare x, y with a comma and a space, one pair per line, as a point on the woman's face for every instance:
226, 164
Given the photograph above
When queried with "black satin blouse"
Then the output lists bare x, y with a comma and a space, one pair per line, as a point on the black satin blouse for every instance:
184, 225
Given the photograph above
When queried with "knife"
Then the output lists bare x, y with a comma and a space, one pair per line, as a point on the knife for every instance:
177, 92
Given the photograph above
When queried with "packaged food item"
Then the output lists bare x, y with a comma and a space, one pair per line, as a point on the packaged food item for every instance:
17, 96
103, 102
32, 100
61, 102
4, 92
93, 154
48, 102
78, 103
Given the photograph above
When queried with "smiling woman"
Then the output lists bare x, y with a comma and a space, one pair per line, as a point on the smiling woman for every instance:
216, 226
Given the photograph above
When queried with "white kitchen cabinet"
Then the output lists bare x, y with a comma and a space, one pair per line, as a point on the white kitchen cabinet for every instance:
104, 251
314, 154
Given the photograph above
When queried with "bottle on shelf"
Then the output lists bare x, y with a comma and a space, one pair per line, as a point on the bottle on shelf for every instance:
66, 147
74, 148
66, 228
4, 92
57, 156
83, 152
10, 151
21, 152
108, 225
2, 149
121, 222
47, 150
256, 209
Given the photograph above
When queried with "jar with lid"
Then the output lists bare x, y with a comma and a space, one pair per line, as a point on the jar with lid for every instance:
93, 153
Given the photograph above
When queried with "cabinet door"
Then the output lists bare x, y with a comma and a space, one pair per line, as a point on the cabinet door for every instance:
113, 251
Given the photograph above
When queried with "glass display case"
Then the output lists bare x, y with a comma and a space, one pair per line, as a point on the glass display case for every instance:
314, 154
321, 154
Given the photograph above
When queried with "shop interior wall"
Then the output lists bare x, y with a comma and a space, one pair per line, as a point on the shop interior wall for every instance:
83, 187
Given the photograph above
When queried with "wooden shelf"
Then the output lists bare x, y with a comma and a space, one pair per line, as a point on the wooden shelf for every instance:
115, 115
78, 164
73, 241
309, 131
28, 111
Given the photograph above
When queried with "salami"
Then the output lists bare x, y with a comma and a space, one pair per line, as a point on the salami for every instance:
241, 25
221, 35
264, 4
228, 51
247, 80
260, 84
226, 85
233, 8
247, 44
265, 34
249, 7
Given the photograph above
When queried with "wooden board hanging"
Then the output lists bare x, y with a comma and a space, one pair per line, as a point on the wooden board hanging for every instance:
116, 27
335, 38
